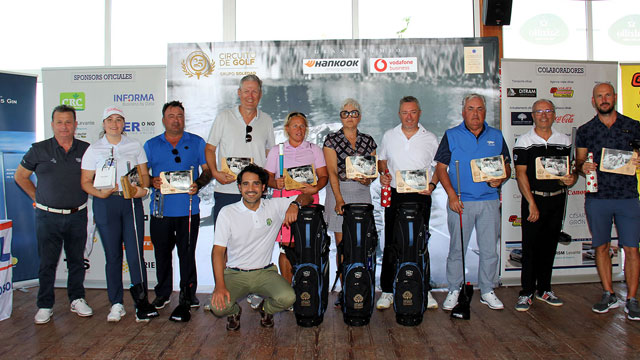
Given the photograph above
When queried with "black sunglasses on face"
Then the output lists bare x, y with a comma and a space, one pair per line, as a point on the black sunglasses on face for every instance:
175, 152
345, 114
247, 136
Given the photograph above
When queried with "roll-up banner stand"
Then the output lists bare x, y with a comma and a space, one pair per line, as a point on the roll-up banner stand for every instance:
569, 85
140, 92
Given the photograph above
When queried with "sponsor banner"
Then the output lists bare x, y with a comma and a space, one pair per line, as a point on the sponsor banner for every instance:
392, 65
568, 85
17, 133
315, 77
140, 93
630, 90
332, 66
6, 270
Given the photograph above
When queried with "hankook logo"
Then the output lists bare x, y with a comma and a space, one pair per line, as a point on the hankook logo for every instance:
331, 66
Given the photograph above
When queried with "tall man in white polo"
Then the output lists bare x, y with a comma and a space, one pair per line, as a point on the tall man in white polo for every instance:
408, 146
242, 131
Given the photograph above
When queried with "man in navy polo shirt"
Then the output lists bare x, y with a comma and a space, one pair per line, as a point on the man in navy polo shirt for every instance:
61, 210
175, 150
472, 139
616, 199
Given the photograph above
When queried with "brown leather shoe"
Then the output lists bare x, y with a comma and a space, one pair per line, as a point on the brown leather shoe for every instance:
266, 320
233, 321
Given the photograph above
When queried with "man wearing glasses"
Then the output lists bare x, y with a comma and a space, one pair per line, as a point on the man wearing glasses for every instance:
408, 146
175, 150
543, 203
242, 131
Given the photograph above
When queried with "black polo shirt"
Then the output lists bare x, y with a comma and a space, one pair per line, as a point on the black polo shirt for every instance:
58, 173
530, 146
594, 136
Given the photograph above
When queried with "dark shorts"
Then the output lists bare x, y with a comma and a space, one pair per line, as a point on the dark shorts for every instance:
625, 213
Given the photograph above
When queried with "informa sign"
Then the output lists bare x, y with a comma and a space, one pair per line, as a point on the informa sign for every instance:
17, 133
140, 93
315, 77
6, 265
569, 86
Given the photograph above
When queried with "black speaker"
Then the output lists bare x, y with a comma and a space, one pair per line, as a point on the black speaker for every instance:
496, 12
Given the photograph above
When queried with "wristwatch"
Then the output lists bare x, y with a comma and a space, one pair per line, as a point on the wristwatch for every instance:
296, 204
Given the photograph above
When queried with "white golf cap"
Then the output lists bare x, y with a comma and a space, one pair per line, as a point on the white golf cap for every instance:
110, 110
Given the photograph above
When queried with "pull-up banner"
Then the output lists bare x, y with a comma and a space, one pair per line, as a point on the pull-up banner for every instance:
140, 93
569, 86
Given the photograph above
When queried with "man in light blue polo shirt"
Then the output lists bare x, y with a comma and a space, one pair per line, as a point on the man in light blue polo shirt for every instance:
174, 150
472, 139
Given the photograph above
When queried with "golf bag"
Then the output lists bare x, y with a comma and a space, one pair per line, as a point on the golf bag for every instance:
358, 267
411, 282
309, 258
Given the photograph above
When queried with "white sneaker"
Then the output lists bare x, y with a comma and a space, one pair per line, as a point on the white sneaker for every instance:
254, 300
43, 316
451, 300
385, 301
431, 302
80, 307
116, 313
491, 300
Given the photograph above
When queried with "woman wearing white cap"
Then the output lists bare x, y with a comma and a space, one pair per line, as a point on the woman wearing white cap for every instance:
114, 214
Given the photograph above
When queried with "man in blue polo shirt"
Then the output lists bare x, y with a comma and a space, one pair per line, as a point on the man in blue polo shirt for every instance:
175, 150
616, 199
472, 139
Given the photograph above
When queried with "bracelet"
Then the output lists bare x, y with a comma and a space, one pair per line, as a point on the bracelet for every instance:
434, 185
296, 204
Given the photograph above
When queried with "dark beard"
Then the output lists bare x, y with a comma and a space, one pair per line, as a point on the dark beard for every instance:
605, 112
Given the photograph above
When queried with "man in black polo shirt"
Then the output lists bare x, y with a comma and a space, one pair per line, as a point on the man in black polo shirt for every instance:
542, 206
61, 215
616, 199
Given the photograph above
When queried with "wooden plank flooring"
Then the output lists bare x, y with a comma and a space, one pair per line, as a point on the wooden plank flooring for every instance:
572, 331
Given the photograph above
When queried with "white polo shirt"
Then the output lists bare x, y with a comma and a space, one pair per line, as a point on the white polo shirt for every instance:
408, 154
127, 150
248, 235
228, 136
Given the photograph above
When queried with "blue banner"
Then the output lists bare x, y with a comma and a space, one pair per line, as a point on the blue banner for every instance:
17, 133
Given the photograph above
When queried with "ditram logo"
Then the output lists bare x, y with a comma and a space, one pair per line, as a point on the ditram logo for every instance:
74, 99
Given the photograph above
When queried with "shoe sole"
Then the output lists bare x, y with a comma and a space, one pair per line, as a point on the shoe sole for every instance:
42, 322
490, 306
81, 314
432, 306
523, 309
447, 308
614, 306
383, 307
163, 305
550, 303
142, 320
630, 317
194, 306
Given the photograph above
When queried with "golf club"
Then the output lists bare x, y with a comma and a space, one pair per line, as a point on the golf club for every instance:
462, 310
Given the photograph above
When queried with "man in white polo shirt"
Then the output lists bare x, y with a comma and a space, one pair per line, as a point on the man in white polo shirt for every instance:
242, 131
246, 232
408, 146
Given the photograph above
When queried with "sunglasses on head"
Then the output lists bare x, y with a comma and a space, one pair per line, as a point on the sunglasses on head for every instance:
247, 136
177, 158
345, 114
294, 114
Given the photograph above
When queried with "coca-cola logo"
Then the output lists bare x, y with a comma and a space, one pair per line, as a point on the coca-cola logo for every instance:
565, 119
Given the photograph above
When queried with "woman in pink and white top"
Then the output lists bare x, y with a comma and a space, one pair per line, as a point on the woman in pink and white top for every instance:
297, 152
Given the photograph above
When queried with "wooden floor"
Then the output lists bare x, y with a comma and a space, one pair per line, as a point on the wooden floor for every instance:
569, 332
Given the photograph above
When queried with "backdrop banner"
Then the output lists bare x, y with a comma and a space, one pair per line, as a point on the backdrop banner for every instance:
568, 84
17, 133
314, 77
140, 92
630, 94
6, 265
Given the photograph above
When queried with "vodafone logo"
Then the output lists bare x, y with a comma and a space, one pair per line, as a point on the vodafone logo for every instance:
389, 65
380, 65
635, 80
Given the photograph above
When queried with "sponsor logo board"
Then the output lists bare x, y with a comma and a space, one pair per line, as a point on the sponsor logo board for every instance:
522, 92
521, 118
391, 65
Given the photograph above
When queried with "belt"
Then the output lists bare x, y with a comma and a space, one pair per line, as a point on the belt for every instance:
243, 270
61, 211
547, 193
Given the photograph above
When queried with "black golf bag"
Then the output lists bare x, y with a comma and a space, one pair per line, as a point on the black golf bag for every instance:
358, 267
309, 258
411, 283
